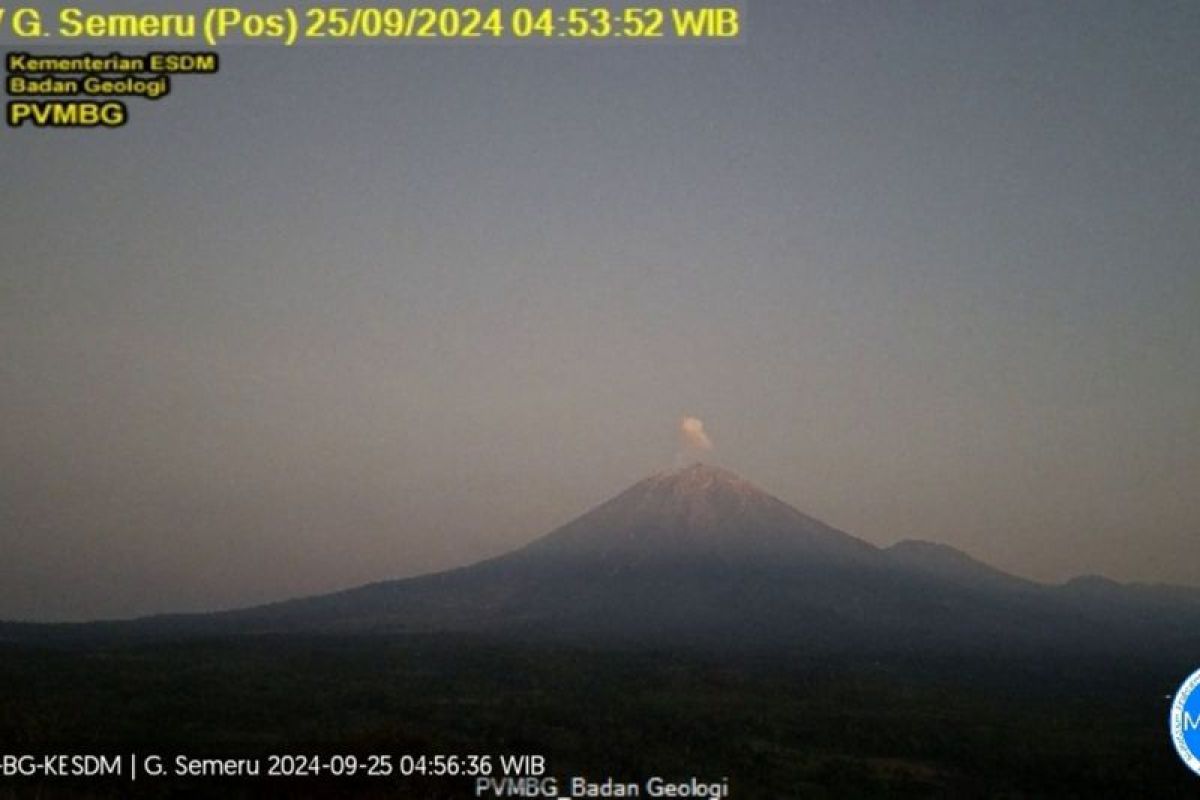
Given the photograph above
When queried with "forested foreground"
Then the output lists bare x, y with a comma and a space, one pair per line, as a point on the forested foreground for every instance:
776, 727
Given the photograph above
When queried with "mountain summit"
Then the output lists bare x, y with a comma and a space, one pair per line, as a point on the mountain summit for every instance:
695, 513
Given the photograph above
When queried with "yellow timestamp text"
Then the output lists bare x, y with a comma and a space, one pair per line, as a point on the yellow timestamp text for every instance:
596, 22
291, 25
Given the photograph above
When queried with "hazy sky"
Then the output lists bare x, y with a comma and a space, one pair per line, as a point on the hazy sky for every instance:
924, 270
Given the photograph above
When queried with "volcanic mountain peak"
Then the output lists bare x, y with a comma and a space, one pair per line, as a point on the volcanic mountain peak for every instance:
697, 511
698, 497
699, 477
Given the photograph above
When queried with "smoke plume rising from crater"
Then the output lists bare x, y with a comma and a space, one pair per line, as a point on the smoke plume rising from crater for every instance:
693, 439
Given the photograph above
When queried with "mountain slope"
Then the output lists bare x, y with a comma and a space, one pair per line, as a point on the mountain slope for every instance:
945, 562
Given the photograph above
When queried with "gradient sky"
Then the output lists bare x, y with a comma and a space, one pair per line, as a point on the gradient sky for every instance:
339, 314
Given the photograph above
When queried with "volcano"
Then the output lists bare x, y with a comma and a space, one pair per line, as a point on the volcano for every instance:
700, 557
695, 553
